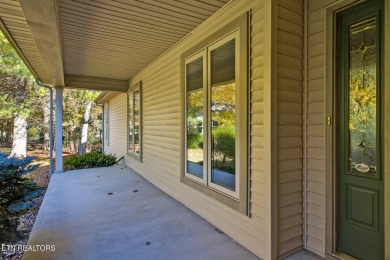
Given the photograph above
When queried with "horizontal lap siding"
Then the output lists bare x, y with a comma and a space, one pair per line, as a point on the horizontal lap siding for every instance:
290, 122
256, 111
117, 107
315, 174
161, 118
315, 128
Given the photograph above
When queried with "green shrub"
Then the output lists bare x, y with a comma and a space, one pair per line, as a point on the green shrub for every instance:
89, 160
224, 140
224, 144
194, 140
13, 187
33, 133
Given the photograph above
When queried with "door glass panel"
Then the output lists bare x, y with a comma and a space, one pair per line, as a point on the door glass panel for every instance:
362, 97
223, 116
194, 120
136, 122
131, 126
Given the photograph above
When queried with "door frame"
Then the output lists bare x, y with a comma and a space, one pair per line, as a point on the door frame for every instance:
330, 103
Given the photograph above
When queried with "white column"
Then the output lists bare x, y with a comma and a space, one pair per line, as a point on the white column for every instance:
58, 131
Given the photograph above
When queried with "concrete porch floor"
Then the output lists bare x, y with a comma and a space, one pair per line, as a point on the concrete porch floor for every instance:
137, 221
82, 221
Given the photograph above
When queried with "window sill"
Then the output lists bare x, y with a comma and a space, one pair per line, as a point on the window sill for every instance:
225, 199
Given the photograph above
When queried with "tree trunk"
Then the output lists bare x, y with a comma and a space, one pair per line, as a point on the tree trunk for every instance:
8, 132
73, 139
84, 129
46, 122
20, 137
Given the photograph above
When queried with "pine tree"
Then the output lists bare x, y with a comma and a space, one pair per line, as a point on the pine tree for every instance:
18, 95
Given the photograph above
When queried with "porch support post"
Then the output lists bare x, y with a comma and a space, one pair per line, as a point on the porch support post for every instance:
58, 130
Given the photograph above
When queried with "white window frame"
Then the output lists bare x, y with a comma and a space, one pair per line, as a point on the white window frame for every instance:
202, 54
107, 123
206, 54
239, 201
235, 35
134, 88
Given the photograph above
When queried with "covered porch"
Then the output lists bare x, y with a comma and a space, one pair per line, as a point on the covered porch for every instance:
114, 213
97, 45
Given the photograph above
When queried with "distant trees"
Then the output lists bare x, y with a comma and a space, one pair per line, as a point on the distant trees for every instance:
24, 109
81, 114
19, 97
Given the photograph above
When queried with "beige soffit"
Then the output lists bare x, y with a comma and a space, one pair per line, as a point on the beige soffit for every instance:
116, 39
72, 42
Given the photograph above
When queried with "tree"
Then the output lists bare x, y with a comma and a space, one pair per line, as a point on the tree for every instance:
46, 122
19, 97
23, 107
84, 129
79, 115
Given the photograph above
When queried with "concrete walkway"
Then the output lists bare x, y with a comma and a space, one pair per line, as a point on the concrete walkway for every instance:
113, 213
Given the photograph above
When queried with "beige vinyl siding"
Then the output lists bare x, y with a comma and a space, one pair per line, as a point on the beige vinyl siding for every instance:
117, 107
256, 111
289, 124
161, 118
315, 127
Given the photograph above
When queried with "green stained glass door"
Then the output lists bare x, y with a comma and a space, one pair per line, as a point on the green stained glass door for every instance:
360, 175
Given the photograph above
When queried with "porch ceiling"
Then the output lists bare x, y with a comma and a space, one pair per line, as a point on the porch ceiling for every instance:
74, 41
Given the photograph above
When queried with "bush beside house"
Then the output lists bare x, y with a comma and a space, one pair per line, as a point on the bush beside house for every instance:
89, 160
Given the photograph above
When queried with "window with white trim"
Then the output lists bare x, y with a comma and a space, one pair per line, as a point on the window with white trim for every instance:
134, 121
215, 139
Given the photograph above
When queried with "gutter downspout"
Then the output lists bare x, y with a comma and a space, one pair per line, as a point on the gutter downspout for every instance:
50, 123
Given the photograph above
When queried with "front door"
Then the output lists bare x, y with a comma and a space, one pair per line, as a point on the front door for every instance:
359, 132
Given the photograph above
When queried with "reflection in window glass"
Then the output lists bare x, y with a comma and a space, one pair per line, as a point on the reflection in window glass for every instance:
362, 96
136, 122
107, 122
223, 114
131, 126
194, 120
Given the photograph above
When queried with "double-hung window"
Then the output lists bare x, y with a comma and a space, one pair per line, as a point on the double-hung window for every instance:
134, 121
215, 118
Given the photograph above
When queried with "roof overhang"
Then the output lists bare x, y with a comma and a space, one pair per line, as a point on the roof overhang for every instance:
42, 19
98, 44
77, 81
104, 97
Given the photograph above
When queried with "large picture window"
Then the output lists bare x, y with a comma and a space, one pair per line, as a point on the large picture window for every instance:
134, 121
215, 118
211, 116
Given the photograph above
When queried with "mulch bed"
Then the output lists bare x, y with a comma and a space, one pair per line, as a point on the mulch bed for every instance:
26, 219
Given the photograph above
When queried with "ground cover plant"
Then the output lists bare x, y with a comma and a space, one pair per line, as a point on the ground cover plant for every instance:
89, 160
